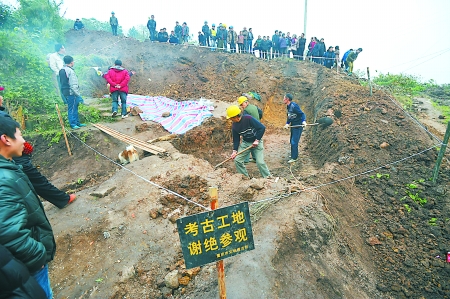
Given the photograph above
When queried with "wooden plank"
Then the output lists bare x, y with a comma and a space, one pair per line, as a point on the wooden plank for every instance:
130, 140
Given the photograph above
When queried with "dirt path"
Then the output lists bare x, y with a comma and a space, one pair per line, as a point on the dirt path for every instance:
429, 116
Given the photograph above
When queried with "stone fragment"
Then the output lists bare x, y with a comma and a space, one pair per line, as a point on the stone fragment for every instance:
184, 280
373, 241
171, 280
154, 213
103, 192
384, 145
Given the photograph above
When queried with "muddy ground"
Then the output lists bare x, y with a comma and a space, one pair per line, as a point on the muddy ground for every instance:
363, 220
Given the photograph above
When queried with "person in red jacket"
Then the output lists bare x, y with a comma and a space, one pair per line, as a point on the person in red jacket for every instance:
118, 79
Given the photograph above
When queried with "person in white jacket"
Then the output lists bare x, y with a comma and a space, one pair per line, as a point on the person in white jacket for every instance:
56, 63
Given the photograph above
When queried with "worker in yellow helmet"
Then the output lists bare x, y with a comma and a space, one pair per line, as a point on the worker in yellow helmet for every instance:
252, 132
251, 110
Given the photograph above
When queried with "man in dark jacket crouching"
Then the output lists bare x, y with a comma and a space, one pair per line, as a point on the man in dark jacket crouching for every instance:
24, 228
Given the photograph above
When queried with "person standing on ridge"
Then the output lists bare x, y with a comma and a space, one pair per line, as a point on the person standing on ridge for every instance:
329, 57
250, 38
56, 63
151, 25
177, 31
185, 33
206, 33
232, 39
114, 22
295, 117
118, 79
71, 90
213, 34
301, 42
251, 131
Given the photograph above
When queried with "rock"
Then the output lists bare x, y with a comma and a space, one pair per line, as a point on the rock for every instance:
382, 288
440, 190
344, 160
396, 288
257, 184
184, 280
166, 292
103, 192
154, 213
135, 111
384, 145
373, 241
441, 116
174, 215
390, 191
142, 127
192, 272
409, 262
171, 279
165, 114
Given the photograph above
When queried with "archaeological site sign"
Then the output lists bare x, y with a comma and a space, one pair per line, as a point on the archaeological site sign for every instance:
215, 235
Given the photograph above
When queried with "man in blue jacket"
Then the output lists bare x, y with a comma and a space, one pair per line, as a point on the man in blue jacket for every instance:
24, 228
344, 58
295, 117
151, 25
251, 131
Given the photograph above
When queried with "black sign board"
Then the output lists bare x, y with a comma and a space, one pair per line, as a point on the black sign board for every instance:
215, 235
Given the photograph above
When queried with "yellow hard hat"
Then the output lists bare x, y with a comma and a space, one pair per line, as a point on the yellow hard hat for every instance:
233, 111
241, 100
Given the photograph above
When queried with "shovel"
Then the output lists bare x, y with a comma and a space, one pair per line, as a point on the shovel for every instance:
324, 121
244, 150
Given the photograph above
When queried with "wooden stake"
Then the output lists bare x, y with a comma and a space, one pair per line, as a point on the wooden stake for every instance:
213, 194
370, 83
441, 153
63, 130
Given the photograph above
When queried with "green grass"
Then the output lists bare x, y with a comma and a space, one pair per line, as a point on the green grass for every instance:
445, 111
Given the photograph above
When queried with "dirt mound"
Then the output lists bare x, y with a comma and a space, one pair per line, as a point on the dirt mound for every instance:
382, 233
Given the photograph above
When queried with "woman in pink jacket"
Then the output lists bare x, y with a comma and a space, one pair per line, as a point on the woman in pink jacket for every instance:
118, 79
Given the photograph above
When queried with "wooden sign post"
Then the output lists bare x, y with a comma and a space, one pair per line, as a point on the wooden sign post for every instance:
216, 235
213, 194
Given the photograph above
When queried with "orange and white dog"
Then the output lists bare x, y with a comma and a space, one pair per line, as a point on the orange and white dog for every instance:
129, 155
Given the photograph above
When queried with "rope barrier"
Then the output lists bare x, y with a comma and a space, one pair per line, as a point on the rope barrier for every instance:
139, 176
343, 179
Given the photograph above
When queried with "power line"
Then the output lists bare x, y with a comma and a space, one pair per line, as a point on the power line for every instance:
427, 60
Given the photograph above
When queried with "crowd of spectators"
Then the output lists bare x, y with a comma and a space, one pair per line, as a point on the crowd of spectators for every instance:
221, 38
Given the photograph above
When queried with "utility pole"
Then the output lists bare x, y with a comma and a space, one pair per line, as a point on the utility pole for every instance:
304, 19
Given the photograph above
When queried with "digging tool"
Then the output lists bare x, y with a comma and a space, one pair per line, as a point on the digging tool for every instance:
244, 150
324, 121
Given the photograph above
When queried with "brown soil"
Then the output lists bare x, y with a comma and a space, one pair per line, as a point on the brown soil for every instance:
370, 236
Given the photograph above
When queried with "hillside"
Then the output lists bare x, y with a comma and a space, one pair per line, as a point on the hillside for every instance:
350, 219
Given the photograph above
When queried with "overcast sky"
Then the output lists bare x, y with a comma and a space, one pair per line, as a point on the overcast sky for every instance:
397, 36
